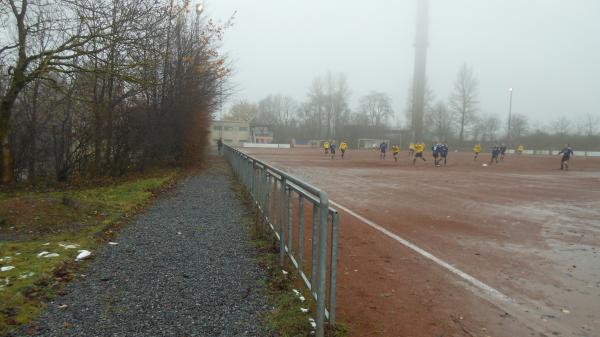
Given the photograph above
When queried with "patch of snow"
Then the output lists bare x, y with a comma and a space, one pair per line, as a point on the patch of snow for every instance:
304, 310
83, 254
43, 253
52, 255
112, 243
7, 268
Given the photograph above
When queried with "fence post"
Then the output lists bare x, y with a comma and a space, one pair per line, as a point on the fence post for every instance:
282, 223
300, 231
290, 223
332, 272
321, 289
313, 258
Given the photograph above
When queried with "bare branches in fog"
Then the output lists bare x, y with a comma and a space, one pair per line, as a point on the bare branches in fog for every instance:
97, 87
377, 108
463, 101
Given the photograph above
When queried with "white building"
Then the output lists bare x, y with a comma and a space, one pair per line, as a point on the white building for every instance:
233, 133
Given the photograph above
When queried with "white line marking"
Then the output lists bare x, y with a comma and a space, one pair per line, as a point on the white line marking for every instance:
490, 291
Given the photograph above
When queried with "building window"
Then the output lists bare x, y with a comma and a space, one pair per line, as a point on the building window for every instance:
217, 128
243, 141
243, 128
227, 128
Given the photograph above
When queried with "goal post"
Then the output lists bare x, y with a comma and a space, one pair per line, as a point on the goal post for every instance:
369, 143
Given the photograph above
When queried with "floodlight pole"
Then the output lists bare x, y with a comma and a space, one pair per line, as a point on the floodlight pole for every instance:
508, 135
421, 43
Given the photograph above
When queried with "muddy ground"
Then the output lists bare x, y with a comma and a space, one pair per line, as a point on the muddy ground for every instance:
522, 227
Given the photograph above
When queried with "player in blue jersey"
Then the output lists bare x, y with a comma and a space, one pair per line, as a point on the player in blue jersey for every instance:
566, 152
443, 152
382, 149
495, 153
435, 151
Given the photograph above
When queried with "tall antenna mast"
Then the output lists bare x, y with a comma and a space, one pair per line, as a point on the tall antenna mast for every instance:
421, 44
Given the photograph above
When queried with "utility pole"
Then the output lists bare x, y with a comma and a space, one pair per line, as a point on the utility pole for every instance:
508, 135
421, 44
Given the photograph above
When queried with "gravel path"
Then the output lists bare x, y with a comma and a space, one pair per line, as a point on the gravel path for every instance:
183, 268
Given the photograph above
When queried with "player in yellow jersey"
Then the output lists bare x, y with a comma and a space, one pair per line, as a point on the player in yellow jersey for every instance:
419, 149
411, 150
326, 147
476, 150
343, 148
520, 149
395, 151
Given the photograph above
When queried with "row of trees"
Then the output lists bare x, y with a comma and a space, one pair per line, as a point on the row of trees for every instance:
326, 113
105, 86
460, 118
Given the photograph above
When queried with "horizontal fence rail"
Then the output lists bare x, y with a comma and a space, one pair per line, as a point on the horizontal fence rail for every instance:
284, 203
556, 152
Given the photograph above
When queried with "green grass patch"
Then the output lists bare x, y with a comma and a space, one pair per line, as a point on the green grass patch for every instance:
58, 222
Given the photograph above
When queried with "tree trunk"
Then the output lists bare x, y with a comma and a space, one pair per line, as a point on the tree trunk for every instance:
6, 105
33, 132
7, 170
462, 128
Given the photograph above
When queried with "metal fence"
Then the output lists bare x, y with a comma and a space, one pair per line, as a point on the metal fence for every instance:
283, 202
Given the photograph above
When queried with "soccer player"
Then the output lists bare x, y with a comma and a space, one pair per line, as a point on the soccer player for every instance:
332, 149
343, 148
495, 153
520, 149
566, 152
443, 152
476, 150
411, 150
326, 147
220, 145
419, 149
395, 151
502, 151
435, 152
382, 149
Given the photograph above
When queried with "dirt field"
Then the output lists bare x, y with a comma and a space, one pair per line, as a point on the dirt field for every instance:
504, 250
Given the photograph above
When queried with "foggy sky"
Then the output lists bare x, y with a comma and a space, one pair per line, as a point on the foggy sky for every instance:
547, 50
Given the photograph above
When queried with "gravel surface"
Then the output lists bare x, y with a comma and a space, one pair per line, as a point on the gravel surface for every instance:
183, 268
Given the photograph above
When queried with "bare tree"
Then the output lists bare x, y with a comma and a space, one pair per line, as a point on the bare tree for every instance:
440, 121
589, 125
463, 101
105, 86
377, 107
48, 37
562, 126
490, 125
519, 126
242, 111
277, 110
337, 109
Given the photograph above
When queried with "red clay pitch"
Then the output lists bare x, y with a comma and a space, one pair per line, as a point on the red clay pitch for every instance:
521, 227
